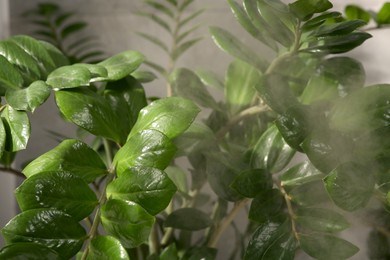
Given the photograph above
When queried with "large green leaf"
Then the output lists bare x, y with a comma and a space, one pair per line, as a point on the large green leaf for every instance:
309, 194
122, 64
10, 77
31, 251
233, 46
151, 188
267, 205
71, 76
28, 99
91, 112
252, 182
272, 241
187, 84
271, 152
240, 91
60, 190
148, 148
321, 220
327, 246
300, 174
17, 128
49, 227
356, 12
171, 116
126, 221
350, 186
304, 9
71, 156
188, 219
105, 248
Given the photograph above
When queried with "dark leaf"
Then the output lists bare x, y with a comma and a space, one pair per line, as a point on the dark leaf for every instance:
300, 174
341, 28
304, 9
321, 220
318, 20
252, 182
72, 28
267, 205
31, 251
188, 219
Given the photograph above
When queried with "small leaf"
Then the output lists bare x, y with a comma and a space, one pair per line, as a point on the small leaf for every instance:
378, 245
72, 28
190, 17
272, 241
304, 9
183, 47
157, 20
154, 40
122, 64
321, 220
383, 16
71, 156
230, 44
17, 127
327, 246
171, 116
69, 77
190, 219
149, 187
160, 8
252, 182
354, 12
106, 247
148, 148
62, 18
126, 221
59, 190
267, 205
144, 76
56, 230
350, 186
32, 251
300, 174
28, 99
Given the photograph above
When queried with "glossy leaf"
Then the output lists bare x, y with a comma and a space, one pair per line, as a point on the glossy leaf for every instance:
122, 64
341, 28
105, 248
300, 174
271, 241
350, 186
356, 12
49, 227
149, 148
383, 16
252, 182
31, 251
271, 152
240, 82
59, 190
187, 84
309, 194
3, 137
327, 246
10, 77
233, 46
127, 221
321, 220
17, 128
149, 187
71, 156
304, 9
267, 205
97, 72
171, 116
190, 219
318, 20
28, 99
69, 77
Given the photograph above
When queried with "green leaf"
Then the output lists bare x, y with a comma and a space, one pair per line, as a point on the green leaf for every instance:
28, 99
62, 18
350, 186
272, 241
363, 110
251, 182
56, 230
3, 137
126, 221
70, 156
144, 76
327, 246
309, 194
209, 78
304, 9
149, 187
353, 12
321, 220
10, 78
186, 33
160, 8
185, 4
69, 77
170, 253
97, 72
383, 16
106, 247
91, 112
318, 20
187, 84
72, 28
17, 128
171, 116
190, 17
56, 55
300, 174
233, 46
178, 177
183, 47
157, 20
271, 152
122, 64
148, 148
240, 82
341, 28
378, 245
31, 251
267, 205
60, 190
190, 219
154, 40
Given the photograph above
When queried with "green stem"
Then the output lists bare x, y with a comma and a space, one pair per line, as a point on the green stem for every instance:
108, 150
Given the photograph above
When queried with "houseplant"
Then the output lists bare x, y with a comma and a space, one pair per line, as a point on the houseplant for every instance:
301, 101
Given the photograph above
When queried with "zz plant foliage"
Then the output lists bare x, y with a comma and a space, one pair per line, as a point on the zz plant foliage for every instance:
133, 201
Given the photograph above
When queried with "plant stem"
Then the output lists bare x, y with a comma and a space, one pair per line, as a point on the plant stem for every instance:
215, 236
108, 150
154, 245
